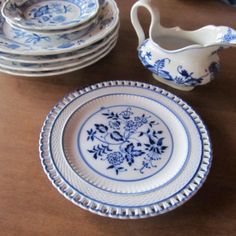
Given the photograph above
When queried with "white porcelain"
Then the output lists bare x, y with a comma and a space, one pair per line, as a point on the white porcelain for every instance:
32, 74
60, 57
125, 149
24, 67
181, 59
46, 15
27, 43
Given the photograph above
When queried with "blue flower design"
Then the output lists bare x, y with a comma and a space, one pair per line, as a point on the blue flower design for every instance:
115, 158
126, 114
41, 11
229, 36
47, 13
131, 153
155, 147
91, 134
183, 78
131, 126
140, 120
114, 124
122, 139
149, 55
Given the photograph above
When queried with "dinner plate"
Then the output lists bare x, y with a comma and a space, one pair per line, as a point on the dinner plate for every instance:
57, 72
125, 149
27, 43
60, 57
19, 66
49, 14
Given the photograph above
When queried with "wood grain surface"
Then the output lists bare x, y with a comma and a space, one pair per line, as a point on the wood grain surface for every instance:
29, 204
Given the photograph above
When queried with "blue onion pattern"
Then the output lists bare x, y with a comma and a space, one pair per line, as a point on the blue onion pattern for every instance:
125, 137
183, 77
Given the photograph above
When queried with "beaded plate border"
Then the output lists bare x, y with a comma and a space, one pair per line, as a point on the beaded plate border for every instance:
117, 212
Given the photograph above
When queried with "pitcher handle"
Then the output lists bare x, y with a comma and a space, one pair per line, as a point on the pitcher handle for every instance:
155, 18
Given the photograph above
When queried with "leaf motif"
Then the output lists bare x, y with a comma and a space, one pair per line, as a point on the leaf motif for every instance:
160, 142
141, 134
110, 167
160, 64
151, 141
101, 128
164, 148
116, 136
137, 153
99, 150
129, 148
165, 74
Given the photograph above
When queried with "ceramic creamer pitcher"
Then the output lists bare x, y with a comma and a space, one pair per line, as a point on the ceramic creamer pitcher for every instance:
181, 59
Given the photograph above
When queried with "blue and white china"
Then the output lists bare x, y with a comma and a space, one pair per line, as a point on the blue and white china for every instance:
47, 53
49, 15
23, 42
125, 149
78, 66
60, 57
178, 58
35, 67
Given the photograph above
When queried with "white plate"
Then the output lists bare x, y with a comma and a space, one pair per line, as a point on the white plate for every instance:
59, 57
26, 43
56, 72
19, 66
49, 15
125, 149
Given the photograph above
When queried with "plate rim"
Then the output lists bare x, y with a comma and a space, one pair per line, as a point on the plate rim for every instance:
118, 212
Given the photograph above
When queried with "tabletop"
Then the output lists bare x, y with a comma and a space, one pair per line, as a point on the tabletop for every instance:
29, 205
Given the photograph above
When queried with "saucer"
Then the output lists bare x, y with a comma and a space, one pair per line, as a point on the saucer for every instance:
49, 15
125, 149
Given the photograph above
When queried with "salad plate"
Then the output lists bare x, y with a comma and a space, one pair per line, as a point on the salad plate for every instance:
60, 57
27, 43
49, 15
58, 71
125, 149
32, 67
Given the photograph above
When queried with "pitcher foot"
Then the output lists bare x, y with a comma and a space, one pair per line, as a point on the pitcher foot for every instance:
171, 84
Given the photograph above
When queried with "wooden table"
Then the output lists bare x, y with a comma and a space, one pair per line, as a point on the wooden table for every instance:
29, 205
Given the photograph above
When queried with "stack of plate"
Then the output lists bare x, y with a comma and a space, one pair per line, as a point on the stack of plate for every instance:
43, 38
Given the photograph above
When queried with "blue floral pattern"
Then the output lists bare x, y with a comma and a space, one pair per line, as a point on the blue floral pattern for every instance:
183, 77
52, 12
123, 138
229, 36
30, 44
29, 38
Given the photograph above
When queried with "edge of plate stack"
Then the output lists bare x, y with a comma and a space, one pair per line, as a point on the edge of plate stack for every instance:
34, 53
